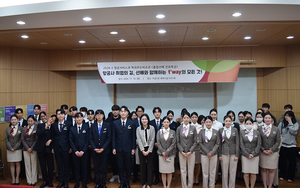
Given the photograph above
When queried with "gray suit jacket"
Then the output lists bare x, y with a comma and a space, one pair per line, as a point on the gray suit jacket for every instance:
272, 142
212, 145
29, 141
13, 142
186, 143
140, 135
248, 147
166, 146
231, 145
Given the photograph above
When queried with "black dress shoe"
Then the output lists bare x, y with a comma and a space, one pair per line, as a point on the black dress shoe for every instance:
104, 186
50, 184
17, 183
98, 186
66, 185
128, 186
76, 185
121, 186
156, 181
61, 184
84, 185
45, 183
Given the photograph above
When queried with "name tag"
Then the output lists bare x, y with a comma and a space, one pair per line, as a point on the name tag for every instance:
129, 126
171, 136
274, 132
255, 136
104, 131
19, 131
214, 134
65, 128
191, 132
84, 131
33, 131
233, 134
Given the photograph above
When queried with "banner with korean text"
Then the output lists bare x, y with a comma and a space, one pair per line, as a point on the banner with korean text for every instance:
169, 71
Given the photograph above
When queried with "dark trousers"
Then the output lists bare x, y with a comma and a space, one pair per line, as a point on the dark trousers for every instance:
155, 163
89, 167
124, 160
46, 162
135, 167
287, 171
80, 169
146, 163
100, 163
113, 163
62, 160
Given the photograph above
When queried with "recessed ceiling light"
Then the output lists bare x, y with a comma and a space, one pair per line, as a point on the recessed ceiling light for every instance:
236, 14
260, 29
247, 37
81, 41
21, 22
160, 16
24, 36
211, 30
122, 40
87, 19
290, 37
68, 34
162, 31
43, 43
114, 32
205, 38
163, 40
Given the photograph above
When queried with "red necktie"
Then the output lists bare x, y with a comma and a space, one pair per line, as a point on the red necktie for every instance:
27, 131
12, 130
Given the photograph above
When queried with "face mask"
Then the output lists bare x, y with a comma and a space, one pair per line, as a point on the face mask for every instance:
249, 127
259, 119
83, 113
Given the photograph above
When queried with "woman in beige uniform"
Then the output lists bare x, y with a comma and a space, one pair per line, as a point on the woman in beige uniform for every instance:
250, 143
14, 148
199, 126
166, 143
270, 138
186, 142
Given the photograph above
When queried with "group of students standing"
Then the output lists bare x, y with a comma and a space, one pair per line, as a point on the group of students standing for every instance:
195, 141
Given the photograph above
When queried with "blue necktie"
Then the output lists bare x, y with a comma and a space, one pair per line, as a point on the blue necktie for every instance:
99, 128
157, 124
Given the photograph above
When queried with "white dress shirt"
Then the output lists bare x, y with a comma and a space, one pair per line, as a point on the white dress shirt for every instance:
59, 125
208, 133
187, 129
227, 131
249, 134
166, 133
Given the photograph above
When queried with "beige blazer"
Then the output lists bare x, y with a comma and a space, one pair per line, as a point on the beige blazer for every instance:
166, 146
231, 145
186, 143
13, 142
212, 145
272, 142
248, 147
140, 135
29, 141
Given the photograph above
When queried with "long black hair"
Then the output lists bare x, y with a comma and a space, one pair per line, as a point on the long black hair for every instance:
292, 115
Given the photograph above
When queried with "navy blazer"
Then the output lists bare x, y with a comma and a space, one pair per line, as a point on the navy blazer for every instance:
153, 123
174, 126
61, 139
79, 141
102, 141
69, 118
43, 136
123, 139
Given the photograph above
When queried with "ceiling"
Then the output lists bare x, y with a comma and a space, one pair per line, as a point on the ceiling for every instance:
185, 26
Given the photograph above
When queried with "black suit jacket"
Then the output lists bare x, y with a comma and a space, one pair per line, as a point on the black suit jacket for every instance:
123, 139
174, 126
43, 136
153, 123
79, 141
102, 141
24, 124
60, 139
69, 118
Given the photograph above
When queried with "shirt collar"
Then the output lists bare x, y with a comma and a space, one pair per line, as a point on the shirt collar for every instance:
228, 129
124, 121
142, 127
31, 127
206, 129
61, 122
79, 125
187, 126
166, 130
100, 123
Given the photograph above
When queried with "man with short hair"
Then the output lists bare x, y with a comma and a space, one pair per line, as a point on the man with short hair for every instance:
37, 111
83, 110
21, 121
73, 110
66, 109
90, 122
287, 107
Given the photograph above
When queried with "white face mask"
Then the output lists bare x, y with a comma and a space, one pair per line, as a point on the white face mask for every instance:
249, 127
259, 120
83, 113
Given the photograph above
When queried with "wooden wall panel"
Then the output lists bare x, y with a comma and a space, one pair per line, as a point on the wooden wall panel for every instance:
56, 99
94, 56
275, 78
293, 55
276, 98
260, 79
58, 81
5, 58
260, 97
5, 99
30, 98
199, 53
164, 54
234, 53
293, 77
29, 81
129, 55
294, 99
29, 59
6, 82
64, 60
72, 99
269, 56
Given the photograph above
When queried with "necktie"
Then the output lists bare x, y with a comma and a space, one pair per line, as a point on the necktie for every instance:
27, 131
61, 127
157, 124
99, 128
18, 123
12, 130
79, 129
123, 124
35, 117
266, 131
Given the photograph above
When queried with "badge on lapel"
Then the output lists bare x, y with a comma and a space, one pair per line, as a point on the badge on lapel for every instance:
274, 132
19, 131
191, 132
233, 133
84, 131
171, 136
255, 136
33, 131
214, 134
129, 126
65, 129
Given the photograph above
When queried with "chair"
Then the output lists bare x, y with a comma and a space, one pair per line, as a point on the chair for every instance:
2, 165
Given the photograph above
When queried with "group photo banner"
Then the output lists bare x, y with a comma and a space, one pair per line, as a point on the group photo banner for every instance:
169, 71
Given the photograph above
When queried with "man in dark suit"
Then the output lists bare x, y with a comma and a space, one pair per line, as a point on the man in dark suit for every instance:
100, 141
60, 139
73, 111
36, 112
123, 143
79, 142
44, 148
66, 109
91, 120
157, 124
